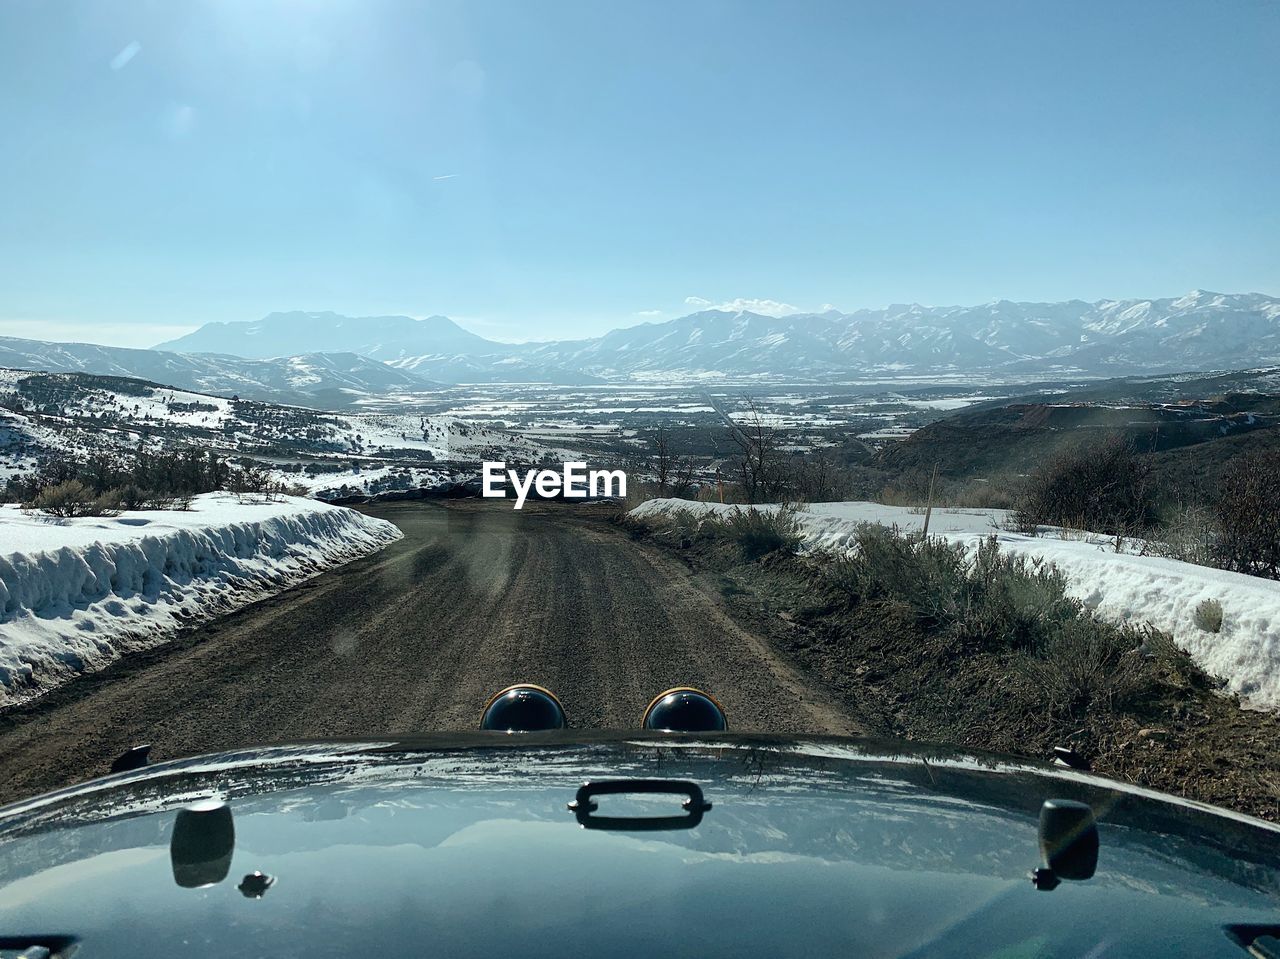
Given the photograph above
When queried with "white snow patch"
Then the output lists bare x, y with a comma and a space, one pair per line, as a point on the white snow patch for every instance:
77, 593
1119, 586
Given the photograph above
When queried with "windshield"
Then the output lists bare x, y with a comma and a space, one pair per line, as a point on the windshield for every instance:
899, 371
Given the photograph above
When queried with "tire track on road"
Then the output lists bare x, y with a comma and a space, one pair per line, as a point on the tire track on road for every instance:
413, 639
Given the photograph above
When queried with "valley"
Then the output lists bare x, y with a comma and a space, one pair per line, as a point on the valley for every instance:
884, 433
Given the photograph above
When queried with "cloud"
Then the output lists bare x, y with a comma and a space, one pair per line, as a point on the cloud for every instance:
748, 304
648, 312
180, 120
447, 176
122, 58
827, 307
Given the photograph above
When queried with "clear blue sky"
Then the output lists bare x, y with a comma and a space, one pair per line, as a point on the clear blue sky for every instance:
541, 169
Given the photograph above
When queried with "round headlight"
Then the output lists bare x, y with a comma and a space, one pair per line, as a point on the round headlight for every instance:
685, 710
523, 709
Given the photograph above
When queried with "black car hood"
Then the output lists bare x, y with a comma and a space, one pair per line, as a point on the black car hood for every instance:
464, 846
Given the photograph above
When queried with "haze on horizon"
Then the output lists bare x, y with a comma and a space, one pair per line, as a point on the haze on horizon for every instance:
555, 172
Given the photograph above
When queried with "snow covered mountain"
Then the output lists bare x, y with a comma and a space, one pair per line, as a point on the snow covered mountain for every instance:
323, 379
435, 348
377, 337
348, 358
1201, 330
1198, 331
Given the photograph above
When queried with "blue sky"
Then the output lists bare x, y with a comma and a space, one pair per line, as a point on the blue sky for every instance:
560, 168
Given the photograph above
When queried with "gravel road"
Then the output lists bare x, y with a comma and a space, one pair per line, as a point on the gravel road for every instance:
475, 597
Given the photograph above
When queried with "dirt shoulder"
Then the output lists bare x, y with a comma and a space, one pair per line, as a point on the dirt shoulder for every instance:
894, 679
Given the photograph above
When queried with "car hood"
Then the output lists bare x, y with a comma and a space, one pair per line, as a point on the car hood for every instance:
465, 846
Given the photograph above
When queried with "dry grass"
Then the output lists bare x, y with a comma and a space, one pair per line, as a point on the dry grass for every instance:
1208, 616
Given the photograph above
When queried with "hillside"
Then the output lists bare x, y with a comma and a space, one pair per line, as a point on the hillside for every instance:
1012, 439
333, 380
81, 415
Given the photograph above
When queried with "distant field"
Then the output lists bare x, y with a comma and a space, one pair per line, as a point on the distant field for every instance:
612, 416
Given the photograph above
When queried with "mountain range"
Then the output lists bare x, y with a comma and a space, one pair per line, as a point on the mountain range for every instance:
1109, 337
326, 359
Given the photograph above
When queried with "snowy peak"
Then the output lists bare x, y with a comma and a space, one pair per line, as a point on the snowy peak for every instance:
288, 334
1200, 330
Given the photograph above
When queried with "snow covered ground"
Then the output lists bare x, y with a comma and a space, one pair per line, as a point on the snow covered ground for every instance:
76, 593
1120, 586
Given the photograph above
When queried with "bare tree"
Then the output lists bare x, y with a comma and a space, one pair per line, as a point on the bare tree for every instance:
674, 473
760, 459
818, 480
660, 441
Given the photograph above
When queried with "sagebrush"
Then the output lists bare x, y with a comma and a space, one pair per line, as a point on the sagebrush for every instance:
984, 599
757, 532
1105, 487
73, 498
1248, 515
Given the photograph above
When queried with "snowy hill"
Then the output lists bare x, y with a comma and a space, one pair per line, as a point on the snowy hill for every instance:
79, 415
323, 379
75, 594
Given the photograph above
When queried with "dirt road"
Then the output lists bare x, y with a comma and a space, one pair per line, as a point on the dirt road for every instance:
475, 597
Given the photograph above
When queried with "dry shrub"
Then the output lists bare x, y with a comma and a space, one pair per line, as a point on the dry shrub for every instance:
73, 498
758, 532
1088, 666
1248, 515
638, 493
1208, 616
1189, 534
987, 599
1105, 487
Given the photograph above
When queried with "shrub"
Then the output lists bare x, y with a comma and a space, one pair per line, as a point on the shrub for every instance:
979, 494
73, 498
1208, 616
1247, 516
986, 599
884, 564
1104, 487
675, 527
107, 504
1013, 602
1188, 534
638, 493
159, 474
758, 532
1088, 666
134, 496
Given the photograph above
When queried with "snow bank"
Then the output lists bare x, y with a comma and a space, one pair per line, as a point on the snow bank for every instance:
76, 593
1120, 586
